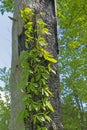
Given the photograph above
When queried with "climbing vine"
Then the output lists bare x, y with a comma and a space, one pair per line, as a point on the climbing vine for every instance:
36, 67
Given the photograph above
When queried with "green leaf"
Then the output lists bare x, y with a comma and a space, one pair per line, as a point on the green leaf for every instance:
47, 118
44, 128
43, 81
46, 31
23, 56
50, 69
38, 77
41, 41
49, 106
47, 89
41, 23
45, 75
23, 114
48, 56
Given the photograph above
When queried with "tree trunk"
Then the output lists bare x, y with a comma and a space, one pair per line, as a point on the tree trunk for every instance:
16, 95
80, 108
47, 6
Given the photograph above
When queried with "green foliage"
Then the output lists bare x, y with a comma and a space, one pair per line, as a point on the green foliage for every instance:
4, 112
6, 6
4, 99
74, 86
36, 67
4, 77
73, 22
73, 63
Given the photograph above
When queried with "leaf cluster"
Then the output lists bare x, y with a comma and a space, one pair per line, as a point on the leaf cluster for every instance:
6, 6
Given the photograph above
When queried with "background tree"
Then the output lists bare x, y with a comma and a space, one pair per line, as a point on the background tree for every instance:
73, 42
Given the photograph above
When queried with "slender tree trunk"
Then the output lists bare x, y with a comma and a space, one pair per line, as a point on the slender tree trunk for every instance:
16, 95
80, 107
47, 6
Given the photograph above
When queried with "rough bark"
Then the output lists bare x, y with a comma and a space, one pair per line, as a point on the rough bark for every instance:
47, 6
50, 18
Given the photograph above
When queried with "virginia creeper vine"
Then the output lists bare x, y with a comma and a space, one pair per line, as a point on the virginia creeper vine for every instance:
36, 67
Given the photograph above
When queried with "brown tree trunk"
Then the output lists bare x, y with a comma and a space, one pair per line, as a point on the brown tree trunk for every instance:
47, 6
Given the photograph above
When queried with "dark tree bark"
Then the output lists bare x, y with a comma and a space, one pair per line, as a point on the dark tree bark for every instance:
47, 6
